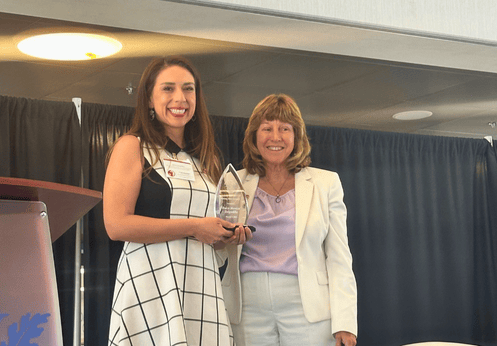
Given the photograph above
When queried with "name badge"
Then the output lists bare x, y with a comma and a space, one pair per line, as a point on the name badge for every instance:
179, 169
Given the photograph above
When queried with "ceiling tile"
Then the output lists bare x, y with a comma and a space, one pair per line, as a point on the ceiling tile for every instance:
304, 73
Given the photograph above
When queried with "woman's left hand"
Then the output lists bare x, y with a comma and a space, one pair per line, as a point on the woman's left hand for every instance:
345, 338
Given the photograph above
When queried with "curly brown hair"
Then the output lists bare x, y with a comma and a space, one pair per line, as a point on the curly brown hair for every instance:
283, 108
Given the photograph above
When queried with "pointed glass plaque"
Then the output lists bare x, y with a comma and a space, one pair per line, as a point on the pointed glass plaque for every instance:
230, 201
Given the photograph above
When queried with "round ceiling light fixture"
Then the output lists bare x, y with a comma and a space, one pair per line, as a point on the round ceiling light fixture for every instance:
69, 46
412, 115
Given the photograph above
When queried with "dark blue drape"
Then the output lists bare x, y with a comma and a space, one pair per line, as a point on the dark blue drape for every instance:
485, 246
101, 126
420, 232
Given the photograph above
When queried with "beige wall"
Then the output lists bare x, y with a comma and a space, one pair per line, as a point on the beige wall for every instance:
473, 19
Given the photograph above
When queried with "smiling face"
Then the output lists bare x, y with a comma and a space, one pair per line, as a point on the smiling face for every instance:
275, 141
173, 99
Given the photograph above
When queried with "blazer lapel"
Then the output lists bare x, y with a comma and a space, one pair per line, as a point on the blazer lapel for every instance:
304, 189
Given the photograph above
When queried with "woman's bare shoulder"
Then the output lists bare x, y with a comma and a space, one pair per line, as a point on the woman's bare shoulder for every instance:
127, 149
128, 141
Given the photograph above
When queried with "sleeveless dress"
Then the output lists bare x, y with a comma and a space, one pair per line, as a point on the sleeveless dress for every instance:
170, 293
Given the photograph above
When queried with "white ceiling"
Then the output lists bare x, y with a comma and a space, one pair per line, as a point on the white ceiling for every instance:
340, 75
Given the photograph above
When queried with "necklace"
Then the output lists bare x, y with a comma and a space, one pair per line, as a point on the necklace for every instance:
278, 196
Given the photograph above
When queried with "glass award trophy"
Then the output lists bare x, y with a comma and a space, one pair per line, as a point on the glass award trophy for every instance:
230, 201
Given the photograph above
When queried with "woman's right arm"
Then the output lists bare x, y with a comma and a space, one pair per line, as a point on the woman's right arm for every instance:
121, 189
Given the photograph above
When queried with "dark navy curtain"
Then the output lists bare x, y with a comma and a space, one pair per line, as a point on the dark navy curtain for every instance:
421, 223
485, 246
101, 126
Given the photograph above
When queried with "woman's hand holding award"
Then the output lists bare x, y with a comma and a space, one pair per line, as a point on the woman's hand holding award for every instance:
230, 199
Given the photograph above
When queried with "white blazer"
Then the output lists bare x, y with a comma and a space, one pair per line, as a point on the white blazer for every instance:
326, 280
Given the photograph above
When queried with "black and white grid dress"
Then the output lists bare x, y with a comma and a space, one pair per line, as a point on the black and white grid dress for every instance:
170, 293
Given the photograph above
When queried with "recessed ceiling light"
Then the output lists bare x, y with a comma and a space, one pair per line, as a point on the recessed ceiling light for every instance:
412, 115
69, 46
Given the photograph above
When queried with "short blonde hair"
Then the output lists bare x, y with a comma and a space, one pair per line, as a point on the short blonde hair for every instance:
283, 108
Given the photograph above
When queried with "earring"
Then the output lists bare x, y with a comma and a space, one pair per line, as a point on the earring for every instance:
194, 118
152, 114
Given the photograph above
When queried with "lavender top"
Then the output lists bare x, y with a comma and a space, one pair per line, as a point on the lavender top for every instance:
272, 249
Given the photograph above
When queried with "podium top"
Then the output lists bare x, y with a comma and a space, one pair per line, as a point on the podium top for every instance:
66, 204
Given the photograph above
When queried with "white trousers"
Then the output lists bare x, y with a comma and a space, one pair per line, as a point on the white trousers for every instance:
272, 314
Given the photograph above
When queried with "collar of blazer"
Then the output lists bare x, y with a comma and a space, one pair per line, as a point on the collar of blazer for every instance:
304, 189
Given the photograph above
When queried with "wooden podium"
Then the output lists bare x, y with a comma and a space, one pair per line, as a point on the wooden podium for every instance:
33, 214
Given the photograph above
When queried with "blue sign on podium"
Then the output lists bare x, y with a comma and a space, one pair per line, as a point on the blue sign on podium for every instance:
29, 303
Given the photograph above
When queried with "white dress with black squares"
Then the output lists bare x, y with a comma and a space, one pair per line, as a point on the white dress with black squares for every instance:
170, 293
